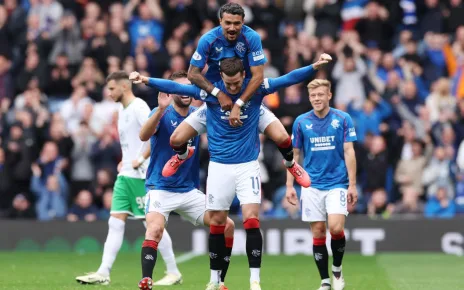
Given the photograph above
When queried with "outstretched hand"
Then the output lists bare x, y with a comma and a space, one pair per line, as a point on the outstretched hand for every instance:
323, 60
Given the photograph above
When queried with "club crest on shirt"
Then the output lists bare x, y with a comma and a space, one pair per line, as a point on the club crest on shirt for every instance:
240, 47
335, 123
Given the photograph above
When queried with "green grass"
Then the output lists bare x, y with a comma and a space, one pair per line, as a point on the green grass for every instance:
56, 271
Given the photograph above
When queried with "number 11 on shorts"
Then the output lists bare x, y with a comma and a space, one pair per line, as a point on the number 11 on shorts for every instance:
256, 188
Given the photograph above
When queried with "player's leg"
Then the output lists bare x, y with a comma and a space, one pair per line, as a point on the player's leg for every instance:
274, 130
173, 275
158, 206
336, 203
229, 238
120, 208
314, 211
249, 194
193, 125
219, 197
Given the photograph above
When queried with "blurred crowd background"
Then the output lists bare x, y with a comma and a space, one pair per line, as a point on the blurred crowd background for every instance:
398, 69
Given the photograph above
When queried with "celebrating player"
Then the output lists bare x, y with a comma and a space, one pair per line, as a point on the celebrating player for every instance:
179, 192
129, 189
325, 136
230, 39
234, 168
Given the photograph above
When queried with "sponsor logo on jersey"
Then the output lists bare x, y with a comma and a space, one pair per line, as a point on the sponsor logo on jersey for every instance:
322, 143
196, 56
240, 47
258, 55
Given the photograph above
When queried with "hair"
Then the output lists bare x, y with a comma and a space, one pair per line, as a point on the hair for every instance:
117, 76
231, 8
319, 83
178, 75
231, 66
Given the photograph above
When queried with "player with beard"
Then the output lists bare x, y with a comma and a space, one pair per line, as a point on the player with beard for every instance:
129, 188
176, 193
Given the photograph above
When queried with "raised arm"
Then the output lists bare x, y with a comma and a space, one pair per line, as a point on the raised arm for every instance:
296, 76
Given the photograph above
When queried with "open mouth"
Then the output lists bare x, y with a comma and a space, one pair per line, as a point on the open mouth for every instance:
231, 33
185, 98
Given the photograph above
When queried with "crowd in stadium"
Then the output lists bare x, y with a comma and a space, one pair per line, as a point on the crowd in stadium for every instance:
398, 69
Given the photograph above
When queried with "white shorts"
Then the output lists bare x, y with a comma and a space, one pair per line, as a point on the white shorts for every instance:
189, 205
227, 180
317, 204
198, 119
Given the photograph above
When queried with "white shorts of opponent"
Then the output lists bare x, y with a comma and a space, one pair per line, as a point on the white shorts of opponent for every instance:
317, 204
227, 180
198, 119
189, 205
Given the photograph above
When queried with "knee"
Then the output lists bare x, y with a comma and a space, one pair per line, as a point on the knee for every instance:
217, 218
281, 137
336, 230
230, 228
175, 139
318, 230
154, 232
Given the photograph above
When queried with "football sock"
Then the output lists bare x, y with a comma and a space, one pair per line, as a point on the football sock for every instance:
167, 253
181, 150
286, 149
338, 243
112, 245
229, 245
321, 256
217, 250
149, 255
254, 247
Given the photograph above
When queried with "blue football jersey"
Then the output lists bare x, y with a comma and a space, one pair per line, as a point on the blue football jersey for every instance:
321, 141
213, 46
188, 175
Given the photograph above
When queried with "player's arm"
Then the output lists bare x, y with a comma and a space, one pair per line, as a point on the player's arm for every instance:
151, 126
295, 76
350, 158
197, 63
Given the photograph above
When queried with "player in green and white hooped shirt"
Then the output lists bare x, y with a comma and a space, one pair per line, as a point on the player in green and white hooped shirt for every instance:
129, 188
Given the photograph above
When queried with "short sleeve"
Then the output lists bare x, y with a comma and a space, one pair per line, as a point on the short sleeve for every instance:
348, 130
143, 113
297, 137
200, 56
256, 55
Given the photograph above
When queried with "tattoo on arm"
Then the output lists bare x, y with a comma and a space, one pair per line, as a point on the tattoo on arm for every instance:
196, 77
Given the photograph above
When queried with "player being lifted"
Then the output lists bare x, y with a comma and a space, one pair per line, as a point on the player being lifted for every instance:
233, 168
230, 39
129, 189
325, 136
179, 192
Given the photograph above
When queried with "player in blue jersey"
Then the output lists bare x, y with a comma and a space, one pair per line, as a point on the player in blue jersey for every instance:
232, 39
177, 193
234, 168
325, 136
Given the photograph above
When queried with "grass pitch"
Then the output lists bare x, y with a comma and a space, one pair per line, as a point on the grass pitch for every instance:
56, 271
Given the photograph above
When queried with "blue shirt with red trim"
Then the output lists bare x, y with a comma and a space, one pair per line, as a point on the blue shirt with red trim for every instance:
321, 142
213, 46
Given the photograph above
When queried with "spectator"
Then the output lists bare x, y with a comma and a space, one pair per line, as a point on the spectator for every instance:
440, 205
67, 41
83, 209
326, 14
437, 174
104, 212
21, 208
410, 203
377, 206
375, 165
6, 81
82, 172
5, 182
51, 193
409, 173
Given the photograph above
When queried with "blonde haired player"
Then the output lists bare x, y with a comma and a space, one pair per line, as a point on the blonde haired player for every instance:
129, 189
325, 136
